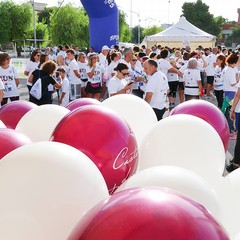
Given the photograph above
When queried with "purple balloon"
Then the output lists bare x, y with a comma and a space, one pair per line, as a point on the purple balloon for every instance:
209, 113
11, 139
148, 213
82, 102
11, 113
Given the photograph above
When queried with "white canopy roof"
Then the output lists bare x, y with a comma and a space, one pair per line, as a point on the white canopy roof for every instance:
182, 31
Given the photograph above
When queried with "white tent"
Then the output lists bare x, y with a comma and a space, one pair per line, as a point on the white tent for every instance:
181, 34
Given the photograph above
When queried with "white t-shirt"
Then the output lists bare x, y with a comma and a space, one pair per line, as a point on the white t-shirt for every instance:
31, 66
182, 69
98, 73
103, 60
115, 85
65, 89
229, 76
218, 80
158, 85
164, 65
8, 77
83, 70
73, 79
210, 69
110, 70
172, 77
191, 78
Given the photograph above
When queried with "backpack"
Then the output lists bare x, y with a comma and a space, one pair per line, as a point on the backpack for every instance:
36, 90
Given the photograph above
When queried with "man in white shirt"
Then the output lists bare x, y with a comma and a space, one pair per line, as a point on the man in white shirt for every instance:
210, 68
73, 76
156, 88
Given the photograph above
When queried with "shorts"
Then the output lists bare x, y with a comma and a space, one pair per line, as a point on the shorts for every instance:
90, 89
210, 79
180, 86
84, 83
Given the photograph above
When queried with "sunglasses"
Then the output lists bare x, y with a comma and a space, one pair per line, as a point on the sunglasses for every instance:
38, 55
124, 74
93, 57
134, 60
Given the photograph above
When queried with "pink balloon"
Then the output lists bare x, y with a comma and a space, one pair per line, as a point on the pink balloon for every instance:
11, 113
148, 213
10, 140
208, 112
105, 138
82, 102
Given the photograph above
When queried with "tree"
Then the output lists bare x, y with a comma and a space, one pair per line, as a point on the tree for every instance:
44, 16
135, 34
124, 31
198, 14
234, 37
70, 26
151, 30
15, 21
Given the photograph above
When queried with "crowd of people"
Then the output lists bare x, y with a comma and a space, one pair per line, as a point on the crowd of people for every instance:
158, 75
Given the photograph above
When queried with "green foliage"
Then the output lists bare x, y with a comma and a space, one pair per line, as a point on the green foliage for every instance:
151, 30
235, 37
198, 14
44, 16
15, 21
135, 33
124, 31
69, 25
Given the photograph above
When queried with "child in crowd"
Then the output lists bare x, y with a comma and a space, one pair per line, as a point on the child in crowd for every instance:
64, 91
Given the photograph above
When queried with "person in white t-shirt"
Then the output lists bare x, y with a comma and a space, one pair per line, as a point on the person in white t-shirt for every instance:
156, 89
82, 64
64, 90
10, 79
218, 80
210, 68
118, 83
192, 80
31, 66
74, 76
95, 72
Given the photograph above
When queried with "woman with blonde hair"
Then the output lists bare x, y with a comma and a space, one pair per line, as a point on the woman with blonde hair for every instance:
95, 76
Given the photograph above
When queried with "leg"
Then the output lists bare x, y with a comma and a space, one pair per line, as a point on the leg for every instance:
159, 113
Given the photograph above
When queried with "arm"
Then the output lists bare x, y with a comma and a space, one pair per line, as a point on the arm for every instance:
77, 73
175, 70
26, 73
235, 102
30, 79
17, 81
124, 90
60, 100
148, 97
1, 94
90, 74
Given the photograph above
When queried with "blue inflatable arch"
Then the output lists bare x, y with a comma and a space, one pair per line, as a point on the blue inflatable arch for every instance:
103, 22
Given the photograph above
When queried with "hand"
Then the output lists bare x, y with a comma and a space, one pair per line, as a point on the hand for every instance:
59, 101
232, 115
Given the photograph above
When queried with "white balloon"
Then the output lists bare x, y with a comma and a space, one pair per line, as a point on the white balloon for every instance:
38, 123
185, 141
137, 112
178, 179
229, 197
2, 125
45, 189
237, 236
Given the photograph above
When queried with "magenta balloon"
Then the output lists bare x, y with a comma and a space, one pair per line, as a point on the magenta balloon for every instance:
208, 112
10, 140
82, 102
11, 113
105, 138
148, 213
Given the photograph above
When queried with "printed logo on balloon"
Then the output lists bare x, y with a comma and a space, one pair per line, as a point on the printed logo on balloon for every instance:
105, 138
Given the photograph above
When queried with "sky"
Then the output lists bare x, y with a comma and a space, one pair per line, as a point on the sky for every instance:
157, 12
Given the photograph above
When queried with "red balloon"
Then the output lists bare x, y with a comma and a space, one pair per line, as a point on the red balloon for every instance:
148, 213
208, 112
10, 140
11, 113
82, 102
105, 138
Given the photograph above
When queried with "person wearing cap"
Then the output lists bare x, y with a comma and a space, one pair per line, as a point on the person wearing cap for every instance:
95, 72
156, 89
104, 62
118, 83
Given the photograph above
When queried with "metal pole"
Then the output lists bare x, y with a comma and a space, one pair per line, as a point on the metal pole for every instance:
139, 29
34, 22
131, 14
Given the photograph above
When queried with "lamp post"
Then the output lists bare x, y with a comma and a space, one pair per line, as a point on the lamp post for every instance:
34, 25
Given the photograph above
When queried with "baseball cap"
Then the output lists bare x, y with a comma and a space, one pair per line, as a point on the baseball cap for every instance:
105, 47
